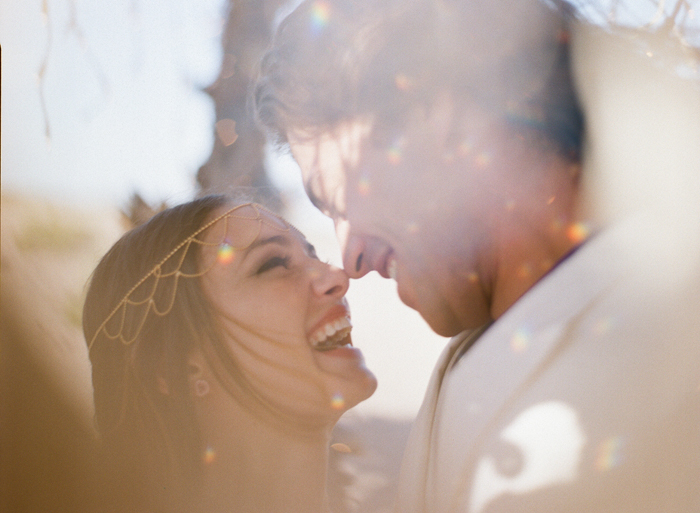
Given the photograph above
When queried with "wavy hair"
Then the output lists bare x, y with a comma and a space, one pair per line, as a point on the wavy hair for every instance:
143, 410
336, 60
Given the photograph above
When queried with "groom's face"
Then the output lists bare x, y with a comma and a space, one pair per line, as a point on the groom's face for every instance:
410, 208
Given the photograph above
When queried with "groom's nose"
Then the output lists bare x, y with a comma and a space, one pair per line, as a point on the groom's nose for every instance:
361, 253
352, 248
355, 260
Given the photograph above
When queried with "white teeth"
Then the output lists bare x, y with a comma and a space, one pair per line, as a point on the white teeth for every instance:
328, 336
392, 268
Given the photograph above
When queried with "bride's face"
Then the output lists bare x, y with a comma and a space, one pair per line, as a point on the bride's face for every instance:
284, 315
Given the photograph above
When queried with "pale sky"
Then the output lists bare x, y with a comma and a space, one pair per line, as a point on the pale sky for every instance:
122, 95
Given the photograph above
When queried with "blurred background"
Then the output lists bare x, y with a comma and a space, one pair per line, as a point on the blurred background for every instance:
111, 110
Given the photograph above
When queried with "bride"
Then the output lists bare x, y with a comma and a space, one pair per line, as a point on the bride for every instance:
221, 361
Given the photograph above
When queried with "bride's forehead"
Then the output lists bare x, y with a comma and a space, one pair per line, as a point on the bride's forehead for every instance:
244, 223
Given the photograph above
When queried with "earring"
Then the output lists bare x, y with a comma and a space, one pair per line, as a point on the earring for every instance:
201, 387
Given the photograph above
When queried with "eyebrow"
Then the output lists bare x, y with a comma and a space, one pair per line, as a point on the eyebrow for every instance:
282, 240
275, 239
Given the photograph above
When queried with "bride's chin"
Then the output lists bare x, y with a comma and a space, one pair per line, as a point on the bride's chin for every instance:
358, 390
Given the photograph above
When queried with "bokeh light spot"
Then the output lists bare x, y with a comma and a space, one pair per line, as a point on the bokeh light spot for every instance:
524, 271
403, 82
609, 453
474, 408
226, 130
464, 148
563, 36
363, 186
603, 326
225, 253
320, 13
577, 232
482, 160
341, 447
209, 455
338, 402
394, 154
520, 340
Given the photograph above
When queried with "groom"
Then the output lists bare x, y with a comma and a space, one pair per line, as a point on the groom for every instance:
445, 140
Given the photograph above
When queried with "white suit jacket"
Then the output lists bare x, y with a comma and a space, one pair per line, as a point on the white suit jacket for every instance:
583, 397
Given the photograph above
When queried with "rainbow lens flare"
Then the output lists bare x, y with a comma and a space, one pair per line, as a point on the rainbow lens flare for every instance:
320, 13
337, 403
209, 455
363, 186
520, 340
609, 453
394, 154
577, 232
225, 253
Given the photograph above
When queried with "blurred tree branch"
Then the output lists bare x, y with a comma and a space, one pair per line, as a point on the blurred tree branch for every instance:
238, 155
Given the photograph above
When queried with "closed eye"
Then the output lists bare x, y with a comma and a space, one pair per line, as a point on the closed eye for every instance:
275, 261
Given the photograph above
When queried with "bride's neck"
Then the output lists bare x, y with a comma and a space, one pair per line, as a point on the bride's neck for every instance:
259, 469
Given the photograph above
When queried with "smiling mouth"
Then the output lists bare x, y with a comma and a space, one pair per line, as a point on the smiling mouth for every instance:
333, 335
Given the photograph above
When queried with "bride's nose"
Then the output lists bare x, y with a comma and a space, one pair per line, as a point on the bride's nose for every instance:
329, 280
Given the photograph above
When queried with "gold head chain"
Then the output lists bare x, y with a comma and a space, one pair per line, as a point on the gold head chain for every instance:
225, 253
